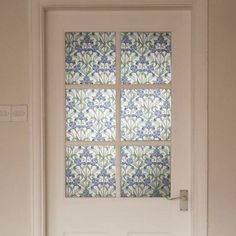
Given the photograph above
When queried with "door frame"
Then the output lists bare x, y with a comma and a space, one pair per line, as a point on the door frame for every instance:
199, 46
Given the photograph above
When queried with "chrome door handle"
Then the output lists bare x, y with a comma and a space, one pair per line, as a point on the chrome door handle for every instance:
183, 196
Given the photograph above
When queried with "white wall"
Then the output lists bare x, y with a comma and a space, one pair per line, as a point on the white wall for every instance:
14, 137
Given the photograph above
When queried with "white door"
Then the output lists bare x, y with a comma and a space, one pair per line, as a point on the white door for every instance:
118, 122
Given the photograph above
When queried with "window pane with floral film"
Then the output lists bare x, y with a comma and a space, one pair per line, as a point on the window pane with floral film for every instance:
146, 114
145, 171
90, 58
90, 114
90, 171
146, 57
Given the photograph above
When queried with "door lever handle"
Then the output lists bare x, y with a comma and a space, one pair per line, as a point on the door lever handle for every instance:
183, 196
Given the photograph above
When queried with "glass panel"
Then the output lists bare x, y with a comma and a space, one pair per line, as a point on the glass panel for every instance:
90, 57
146, 114
90, 115
146, 58
145, 171
90, 171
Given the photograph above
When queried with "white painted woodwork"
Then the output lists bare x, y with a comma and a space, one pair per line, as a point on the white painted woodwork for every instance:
117, 216
37, 12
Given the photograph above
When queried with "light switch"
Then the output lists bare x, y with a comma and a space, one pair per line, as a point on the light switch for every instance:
5, 113
19, 113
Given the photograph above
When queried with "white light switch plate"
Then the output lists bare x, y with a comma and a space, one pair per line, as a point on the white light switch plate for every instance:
19, 113
5, 113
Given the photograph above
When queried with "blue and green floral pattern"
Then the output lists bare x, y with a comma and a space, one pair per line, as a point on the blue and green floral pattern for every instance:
90, 114
90, 171
146, 57
146, 114
90, 57
145, 171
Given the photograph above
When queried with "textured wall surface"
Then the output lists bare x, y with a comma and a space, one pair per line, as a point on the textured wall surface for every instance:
14, 137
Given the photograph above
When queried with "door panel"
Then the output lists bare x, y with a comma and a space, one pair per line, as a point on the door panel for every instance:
117, 216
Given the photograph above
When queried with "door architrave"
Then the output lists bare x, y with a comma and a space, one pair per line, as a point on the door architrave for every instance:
199, 169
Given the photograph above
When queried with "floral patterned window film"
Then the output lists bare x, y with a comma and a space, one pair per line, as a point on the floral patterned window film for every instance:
118, 114
146, 57
90, 58
146, 114
90, 171
90, 114
145, 171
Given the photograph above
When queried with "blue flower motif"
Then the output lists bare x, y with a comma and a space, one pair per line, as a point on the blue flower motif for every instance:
130, 181
157, 93
86, 193
138, 173
69, 59
133, 48
168, 49
71, 104
90, 105
79, 48
158, 113
95, 182
146, 181
139, 114
165, 162
78, 162
140, 134
142, 60
166, 105
113, 47
156, 134
148, 161
94, 161
150, 69
152, 48
156, 152
104, 59
99, 137
81, 116
99, 96
69, 173
166, 181
129, 161
160, 39
109, 124
89, 125
96, 68
134, 68
94, 48
86, 153
112, 68
103, 172
87, 39
125, 39
72, 125
159, 80
111, 182
140, 93
86, 80
125, 80
156, 193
